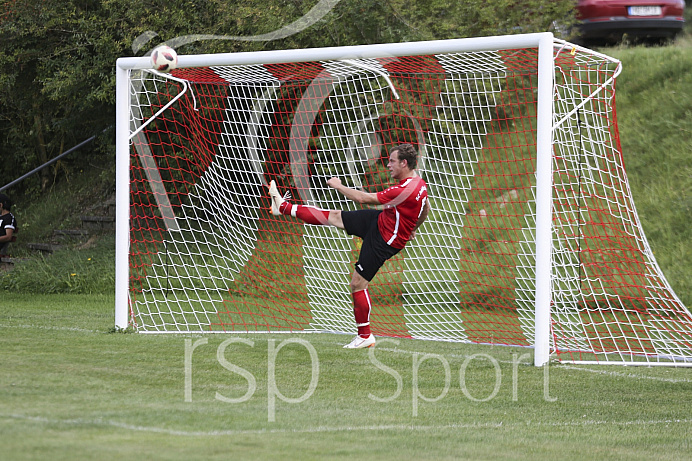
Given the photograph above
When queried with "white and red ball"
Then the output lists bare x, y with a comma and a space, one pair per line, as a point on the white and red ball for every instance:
164, 58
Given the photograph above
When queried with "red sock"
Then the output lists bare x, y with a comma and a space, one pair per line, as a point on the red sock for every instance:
361, 311
308, 214
285, 208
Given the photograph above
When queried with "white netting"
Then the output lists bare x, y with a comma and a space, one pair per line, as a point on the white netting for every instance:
206, 254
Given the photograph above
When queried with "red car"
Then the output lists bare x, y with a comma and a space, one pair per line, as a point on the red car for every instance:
606, 21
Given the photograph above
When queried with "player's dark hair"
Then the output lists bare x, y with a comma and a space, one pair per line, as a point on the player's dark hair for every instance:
407, 152
6, 202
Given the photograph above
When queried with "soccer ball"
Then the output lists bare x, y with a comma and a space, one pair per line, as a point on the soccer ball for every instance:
164, 59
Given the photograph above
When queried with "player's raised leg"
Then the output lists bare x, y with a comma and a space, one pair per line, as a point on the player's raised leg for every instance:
308, 214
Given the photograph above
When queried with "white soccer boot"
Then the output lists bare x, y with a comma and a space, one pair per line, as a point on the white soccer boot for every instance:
361, 343
276, 198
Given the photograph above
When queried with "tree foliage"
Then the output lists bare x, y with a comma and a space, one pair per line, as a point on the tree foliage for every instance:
57, 79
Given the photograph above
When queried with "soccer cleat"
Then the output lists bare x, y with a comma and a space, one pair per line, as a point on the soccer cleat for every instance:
361, 343
276, 198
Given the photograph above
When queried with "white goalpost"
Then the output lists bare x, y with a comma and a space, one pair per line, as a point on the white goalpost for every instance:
533, 239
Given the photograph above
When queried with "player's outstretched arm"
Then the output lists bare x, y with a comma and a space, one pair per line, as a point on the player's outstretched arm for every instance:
356, 195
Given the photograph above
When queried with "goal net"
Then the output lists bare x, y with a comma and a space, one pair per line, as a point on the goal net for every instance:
199, 251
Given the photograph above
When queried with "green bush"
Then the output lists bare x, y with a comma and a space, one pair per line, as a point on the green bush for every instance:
74, 270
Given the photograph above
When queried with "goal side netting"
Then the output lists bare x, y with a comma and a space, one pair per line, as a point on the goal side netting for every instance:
203, 252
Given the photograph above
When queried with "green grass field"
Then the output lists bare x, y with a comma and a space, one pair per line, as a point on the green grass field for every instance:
72, 389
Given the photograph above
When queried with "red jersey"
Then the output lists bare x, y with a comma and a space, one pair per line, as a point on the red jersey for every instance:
404, 204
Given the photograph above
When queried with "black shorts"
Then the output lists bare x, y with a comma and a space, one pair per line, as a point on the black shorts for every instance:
374, 251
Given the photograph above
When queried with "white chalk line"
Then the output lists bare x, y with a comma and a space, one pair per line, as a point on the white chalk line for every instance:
558, 366
327, 429
625, 375
50, 327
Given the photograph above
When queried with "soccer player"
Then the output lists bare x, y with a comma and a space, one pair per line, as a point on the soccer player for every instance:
8, 225
384, 232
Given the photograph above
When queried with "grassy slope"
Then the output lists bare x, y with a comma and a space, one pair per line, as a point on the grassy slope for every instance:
654, 104
60, 206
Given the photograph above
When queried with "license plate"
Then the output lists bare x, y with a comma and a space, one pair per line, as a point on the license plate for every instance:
644, 10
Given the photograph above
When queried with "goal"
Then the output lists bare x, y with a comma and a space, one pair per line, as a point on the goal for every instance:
533, 238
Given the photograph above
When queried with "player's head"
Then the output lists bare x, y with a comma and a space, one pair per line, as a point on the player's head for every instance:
408, 153
5, 202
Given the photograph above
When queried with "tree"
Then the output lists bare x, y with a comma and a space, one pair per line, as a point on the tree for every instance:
57, 79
